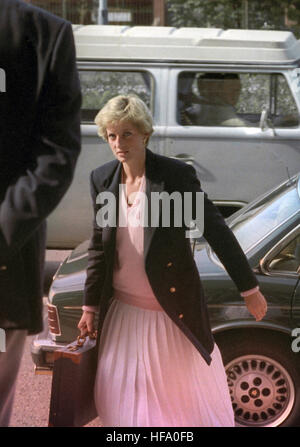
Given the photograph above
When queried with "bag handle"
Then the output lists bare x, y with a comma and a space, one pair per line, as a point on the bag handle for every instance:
81, 340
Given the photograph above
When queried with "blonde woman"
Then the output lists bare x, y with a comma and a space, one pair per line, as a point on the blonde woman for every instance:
158, 363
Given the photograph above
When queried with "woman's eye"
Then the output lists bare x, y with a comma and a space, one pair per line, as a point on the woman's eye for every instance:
127, 134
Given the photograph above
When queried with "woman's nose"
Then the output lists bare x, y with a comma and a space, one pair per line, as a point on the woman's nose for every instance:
118, 141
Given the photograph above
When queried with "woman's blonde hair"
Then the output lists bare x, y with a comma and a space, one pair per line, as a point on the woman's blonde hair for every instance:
125, 108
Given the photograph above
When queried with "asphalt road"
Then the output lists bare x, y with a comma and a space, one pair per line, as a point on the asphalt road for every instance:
31, 407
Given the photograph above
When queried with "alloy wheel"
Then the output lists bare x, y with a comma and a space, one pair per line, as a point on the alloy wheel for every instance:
261, 390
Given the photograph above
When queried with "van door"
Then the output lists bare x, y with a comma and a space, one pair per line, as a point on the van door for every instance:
239, 129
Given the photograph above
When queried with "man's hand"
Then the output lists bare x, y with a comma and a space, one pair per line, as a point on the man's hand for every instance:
257, 305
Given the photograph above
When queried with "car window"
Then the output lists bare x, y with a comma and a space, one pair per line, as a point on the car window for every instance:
100, 86
234, 99
260, 220
288, 259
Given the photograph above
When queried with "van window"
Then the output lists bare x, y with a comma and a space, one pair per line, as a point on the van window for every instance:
100, 86
234, 99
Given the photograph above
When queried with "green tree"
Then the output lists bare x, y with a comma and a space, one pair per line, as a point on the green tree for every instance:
252, 14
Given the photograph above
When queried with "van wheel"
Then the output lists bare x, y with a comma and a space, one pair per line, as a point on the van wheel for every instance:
263, 379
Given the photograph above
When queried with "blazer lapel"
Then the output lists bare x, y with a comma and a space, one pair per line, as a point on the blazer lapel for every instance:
109, 232
154, 184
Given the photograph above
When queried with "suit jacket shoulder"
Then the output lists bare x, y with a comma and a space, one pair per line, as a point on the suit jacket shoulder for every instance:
176, 173
10, 6
102, 176
158, 167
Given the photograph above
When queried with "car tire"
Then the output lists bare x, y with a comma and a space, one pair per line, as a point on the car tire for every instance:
263, 376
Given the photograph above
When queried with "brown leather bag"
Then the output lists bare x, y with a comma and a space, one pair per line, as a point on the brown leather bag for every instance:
72, 393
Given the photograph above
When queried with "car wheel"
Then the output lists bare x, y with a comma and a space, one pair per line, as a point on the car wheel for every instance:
263, 379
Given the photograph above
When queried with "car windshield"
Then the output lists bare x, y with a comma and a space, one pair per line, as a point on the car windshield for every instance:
79, 251
265, 216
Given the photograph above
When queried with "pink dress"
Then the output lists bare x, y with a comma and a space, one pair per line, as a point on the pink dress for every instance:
149, 374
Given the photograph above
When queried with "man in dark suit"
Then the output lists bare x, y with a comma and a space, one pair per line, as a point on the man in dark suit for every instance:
39, 145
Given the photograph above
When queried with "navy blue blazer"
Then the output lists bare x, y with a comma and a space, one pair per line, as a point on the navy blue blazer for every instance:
39, 146
169, 262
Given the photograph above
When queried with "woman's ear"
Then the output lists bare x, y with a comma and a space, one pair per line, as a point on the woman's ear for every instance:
146, 138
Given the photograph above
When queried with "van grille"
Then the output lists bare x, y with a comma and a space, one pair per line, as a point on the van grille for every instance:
53, 320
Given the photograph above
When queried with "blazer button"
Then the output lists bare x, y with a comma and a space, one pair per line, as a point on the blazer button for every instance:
169, 264
172, 289
3, 267
180, 316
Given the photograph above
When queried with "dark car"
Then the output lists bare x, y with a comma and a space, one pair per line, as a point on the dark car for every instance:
261, 358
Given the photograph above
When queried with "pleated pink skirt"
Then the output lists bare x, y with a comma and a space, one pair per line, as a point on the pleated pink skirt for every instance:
150, 375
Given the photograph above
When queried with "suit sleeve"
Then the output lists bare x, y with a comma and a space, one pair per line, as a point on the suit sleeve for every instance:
55, 145
224, 243
96, 268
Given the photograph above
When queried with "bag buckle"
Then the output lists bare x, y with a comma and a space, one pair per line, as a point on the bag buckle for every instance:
81, 340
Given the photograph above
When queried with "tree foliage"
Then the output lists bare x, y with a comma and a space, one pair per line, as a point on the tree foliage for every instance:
252, 14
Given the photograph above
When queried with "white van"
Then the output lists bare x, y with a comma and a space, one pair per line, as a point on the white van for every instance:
225, 101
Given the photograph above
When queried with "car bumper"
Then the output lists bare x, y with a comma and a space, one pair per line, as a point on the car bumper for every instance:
42, 350
42, 353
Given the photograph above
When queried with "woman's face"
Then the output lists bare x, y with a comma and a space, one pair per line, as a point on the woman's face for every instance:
126, 141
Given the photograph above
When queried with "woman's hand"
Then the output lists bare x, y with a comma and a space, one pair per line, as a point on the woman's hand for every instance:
257, 305
86, 323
